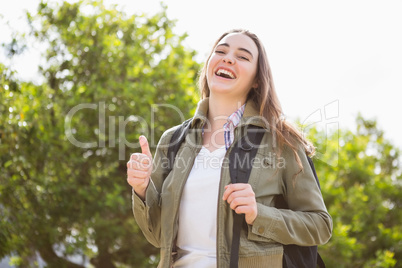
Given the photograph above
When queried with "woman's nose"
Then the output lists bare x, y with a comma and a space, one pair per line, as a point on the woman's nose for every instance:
228, 60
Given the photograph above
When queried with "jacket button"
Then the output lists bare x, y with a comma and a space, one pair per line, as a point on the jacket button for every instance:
261, 230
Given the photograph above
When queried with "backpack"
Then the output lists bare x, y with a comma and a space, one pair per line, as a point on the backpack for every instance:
294, 256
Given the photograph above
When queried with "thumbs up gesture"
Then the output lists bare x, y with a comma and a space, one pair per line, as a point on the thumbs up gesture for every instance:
139, 168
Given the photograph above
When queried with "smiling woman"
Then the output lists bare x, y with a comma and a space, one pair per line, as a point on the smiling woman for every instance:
190, 211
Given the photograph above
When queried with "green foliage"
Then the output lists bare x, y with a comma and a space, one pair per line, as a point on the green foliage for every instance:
61, 200
363, 193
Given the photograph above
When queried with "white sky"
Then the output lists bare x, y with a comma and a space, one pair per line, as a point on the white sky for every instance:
343, 55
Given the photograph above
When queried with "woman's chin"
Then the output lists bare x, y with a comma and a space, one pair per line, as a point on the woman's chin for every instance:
222, 90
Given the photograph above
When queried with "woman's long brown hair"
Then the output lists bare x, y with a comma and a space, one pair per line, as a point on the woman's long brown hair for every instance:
265, 97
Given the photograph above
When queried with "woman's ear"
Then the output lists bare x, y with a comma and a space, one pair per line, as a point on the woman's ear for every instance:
255, 84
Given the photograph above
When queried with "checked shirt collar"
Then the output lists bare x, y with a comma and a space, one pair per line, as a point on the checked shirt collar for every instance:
231, 123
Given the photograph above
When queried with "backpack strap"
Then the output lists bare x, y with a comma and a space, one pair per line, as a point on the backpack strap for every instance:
243, 151
310, 161
320, 261
175, 141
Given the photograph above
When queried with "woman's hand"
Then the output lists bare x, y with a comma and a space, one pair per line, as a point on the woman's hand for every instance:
241, 199
139, 169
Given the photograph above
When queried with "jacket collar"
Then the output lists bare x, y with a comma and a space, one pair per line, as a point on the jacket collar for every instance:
250, 116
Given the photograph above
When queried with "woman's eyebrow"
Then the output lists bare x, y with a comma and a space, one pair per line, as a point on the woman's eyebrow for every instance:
240, 48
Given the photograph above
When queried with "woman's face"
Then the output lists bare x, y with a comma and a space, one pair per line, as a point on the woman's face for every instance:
232, 67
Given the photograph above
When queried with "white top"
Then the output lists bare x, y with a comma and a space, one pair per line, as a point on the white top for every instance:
196, 239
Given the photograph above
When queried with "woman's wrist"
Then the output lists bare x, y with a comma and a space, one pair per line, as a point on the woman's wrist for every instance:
140, 193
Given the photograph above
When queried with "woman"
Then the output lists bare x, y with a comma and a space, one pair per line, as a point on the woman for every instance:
188, 214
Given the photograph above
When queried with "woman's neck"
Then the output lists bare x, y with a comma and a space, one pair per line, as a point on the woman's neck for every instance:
220, 108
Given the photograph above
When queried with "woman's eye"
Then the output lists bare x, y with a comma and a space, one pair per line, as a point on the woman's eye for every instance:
243, 58
219, 52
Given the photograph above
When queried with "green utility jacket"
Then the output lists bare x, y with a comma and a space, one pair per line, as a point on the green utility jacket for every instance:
307, 222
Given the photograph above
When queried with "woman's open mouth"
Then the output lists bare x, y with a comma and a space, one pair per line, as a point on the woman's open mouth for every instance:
225, 73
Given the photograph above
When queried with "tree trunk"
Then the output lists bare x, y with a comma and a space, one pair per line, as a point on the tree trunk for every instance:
52, 260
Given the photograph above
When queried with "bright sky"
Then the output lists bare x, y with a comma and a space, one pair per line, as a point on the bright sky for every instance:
334, 58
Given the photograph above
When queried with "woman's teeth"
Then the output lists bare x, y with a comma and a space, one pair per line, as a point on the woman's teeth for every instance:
225, 73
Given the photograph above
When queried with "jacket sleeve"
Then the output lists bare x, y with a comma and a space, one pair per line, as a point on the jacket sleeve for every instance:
148, 214
307, 221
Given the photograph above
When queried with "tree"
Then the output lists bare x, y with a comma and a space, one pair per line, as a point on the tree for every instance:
65, 142
363, 193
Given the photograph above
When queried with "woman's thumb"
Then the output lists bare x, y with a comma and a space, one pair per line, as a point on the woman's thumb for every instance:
145, 146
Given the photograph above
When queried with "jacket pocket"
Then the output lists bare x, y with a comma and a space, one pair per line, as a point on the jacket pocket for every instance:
258, 247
